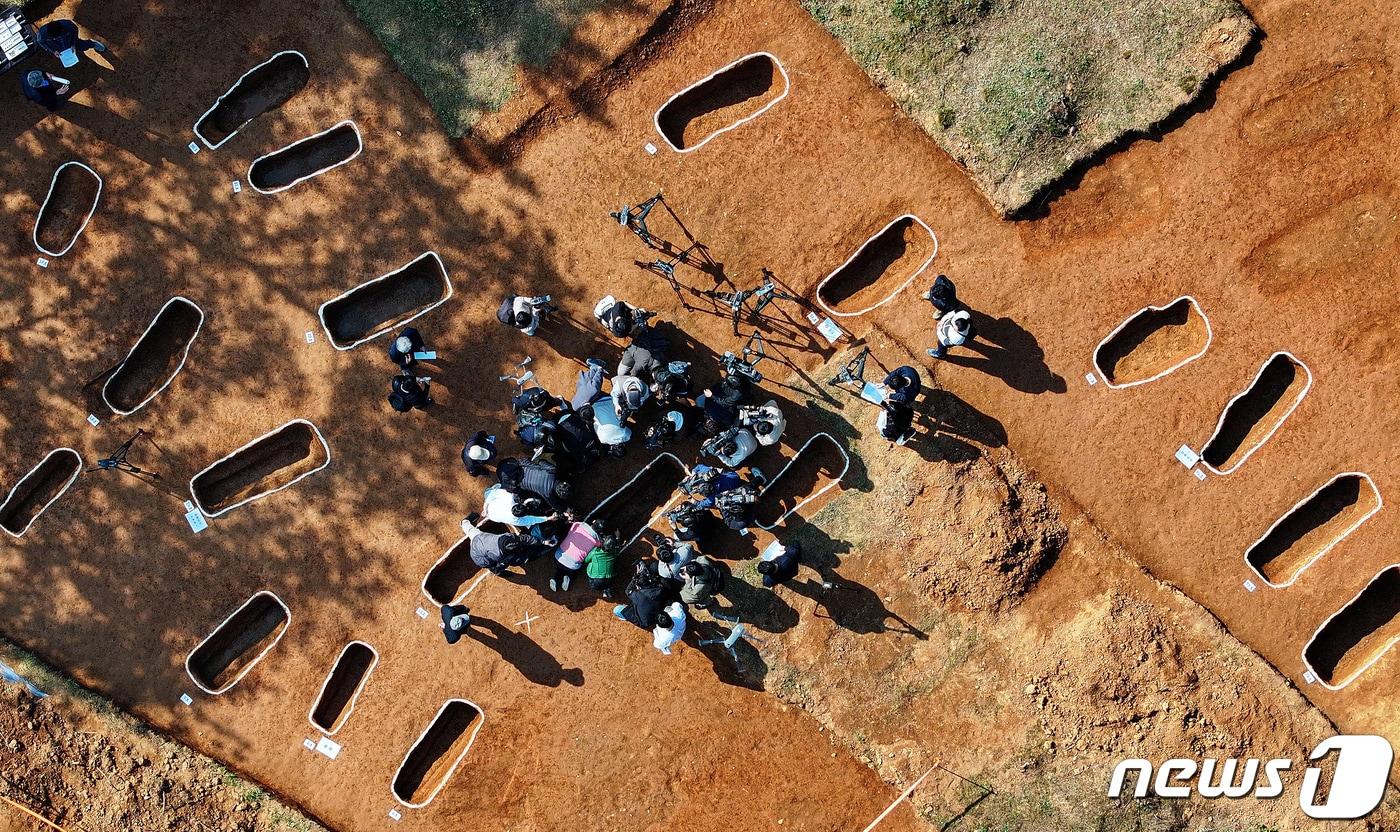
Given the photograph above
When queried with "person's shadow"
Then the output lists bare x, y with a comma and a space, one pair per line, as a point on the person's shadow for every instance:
1008, 352
533, 661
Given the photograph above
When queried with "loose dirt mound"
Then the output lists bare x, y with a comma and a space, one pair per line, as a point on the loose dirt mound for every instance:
66, 211
264, 88
730, 96
1007, 536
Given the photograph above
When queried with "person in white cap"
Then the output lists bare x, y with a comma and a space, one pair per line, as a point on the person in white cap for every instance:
404, 345
766, 422
670, 627
60, 38
479, 451
954, 330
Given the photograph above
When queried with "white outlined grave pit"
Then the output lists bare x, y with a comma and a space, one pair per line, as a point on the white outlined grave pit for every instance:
71, 201
303, 159
38, 489
882, 267
155, 359
727, 98
1256, 413
270, 463
343, 686
386, 302
1311, 528
448, 577
628, 511
1153, 343
236, 646
437, 753
816, 468
262, 89
1359, 634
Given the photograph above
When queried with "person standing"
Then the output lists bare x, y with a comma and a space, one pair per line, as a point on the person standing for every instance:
404, 345
60, 38
954, 330
407, 391
943, 296
478, 453
778, 563
44, 88
670, 627
456, 618
702, 581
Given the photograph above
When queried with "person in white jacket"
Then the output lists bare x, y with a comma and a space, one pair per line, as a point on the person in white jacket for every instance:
670, 627
766, 422
954, 330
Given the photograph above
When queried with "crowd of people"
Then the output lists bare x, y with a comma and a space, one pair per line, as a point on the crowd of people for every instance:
651, 397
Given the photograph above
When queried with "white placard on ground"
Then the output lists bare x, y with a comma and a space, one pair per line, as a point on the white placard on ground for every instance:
93, 420
421, 613
1250, 586
43, 262
309, 744
185, 697
650, 148
196, 520
1091, 379
394, 814
194, 148
328, 747
189, 505
310, 337
237, 186
1309, 677
1200, 475
829, 330
1187, 457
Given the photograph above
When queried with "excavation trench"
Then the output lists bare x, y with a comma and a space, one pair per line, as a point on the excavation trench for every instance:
70, 203
376, 306
269, 463
630, 510
342, 687
38, 489
726, 99
312, 156
159, 354
814, 470
1251, 417
1358, 634
431, 761
1153, 343
239, 643
880, 269
1312, 527
450, 574
262, 89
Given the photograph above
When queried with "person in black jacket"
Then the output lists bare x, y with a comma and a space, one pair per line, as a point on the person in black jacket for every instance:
779, 564
647, 594
478, 453
45, 88
902, 385
407, 391
404, 345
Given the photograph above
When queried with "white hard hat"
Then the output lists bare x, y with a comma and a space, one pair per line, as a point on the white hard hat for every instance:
478, 453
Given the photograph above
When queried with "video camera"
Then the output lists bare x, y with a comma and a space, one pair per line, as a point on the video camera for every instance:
700, 481
737, 366
686, 519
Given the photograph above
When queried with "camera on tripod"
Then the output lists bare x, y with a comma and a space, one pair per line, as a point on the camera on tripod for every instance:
738, 366
700, 481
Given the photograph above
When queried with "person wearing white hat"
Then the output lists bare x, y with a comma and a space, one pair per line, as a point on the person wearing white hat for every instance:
404, 345
45, 88
479, 451
61, 39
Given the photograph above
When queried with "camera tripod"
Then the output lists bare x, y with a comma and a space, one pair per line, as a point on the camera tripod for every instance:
765, 293
854, 371
634, 219
118, 460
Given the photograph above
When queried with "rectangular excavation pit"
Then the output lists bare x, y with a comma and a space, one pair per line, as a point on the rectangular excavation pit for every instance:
342, 687
268, 464
640, 500
303, 159
386, 302
880, 269
262, 89
721, 101
70, 203
1311, 528
1356, 636
39, 489
815, 469
156, 358
1154, 342
444, 582
226, 655
438, 751
1252, 416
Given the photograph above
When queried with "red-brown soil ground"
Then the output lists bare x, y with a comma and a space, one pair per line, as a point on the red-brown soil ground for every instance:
1283, 229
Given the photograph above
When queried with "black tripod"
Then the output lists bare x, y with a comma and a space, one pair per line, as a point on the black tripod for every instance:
853, 372
634, 219
764, 293
118, 460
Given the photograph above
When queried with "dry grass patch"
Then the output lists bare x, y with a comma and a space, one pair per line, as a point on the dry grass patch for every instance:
1018, 91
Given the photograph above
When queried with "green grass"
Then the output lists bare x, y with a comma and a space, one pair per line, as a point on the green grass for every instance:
463, 54
1019, 90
